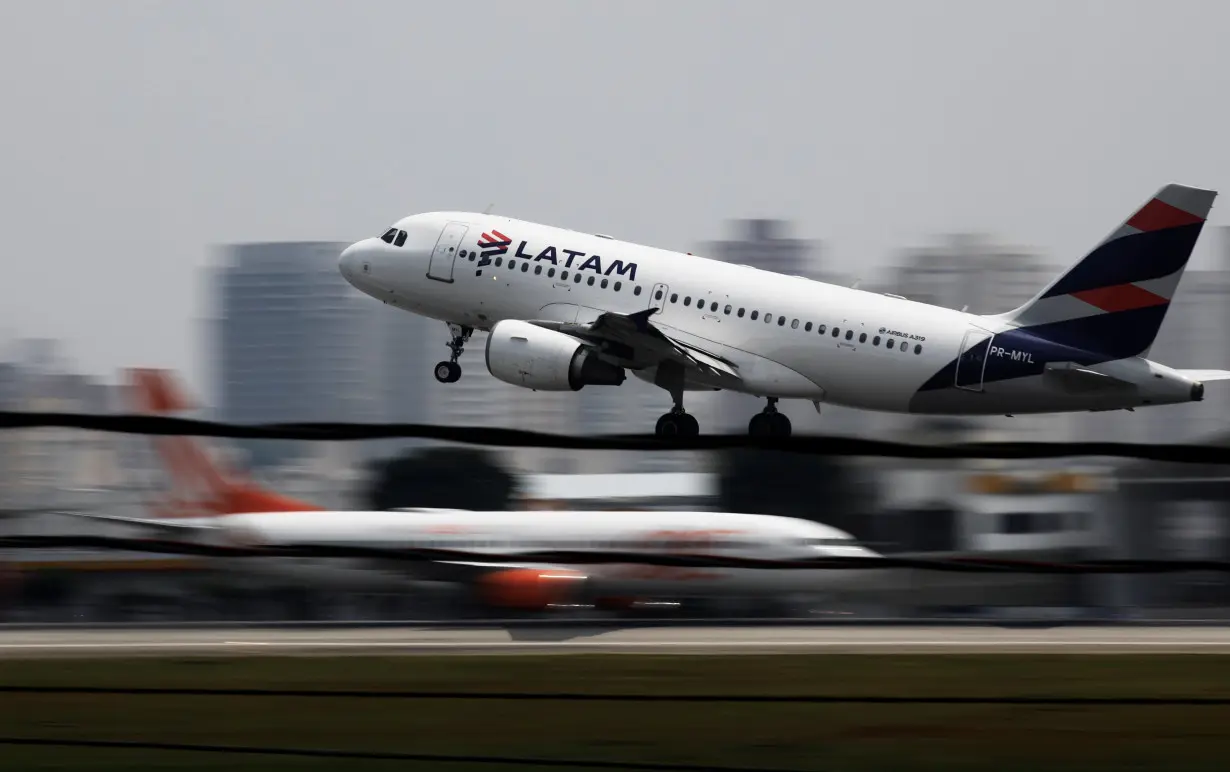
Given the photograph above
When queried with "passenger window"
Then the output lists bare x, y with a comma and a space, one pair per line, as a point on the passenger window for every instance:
401, 239
387, 238
563, 275
904, 347
499, 261
618, 284
754, 315
512, 265
713, 307
688, 300
889, 344
525, 267
849, 334
807, 327
550, 272
728, 309
635, 290
576, 278
473, 256
875, 341
794, 325
591, 281
740, 314
538, 270
862, 338
674, 297
820, 329
656, 296
781, 321
917, 348
836, 332
768, 318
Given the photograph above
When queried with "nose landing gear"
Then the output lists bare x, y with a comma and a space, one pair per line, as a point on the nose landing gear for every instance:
769, 422
450, 371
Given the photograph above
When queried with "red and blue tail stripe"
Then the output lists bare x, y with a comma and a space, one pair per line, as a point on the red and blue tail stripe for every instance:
1114, 300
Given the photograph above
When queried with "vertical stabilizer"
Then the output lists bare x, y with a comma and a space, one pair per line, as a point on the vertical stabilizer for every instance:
1114, 300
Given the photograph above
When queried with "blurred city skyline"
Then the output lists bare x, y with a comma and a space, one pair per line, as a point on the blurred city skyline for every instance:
152, 133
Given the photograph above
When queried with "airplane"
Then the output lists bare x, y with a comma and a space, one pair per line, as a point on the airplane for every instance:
564, 310
210, 503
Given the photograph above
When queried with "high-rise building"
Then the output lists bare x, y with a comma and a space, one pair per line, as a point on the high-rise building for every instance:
291, 341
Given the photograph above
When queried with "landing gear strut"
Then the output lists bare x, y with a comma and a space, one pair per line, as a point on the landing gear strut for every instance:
450, 371
769, 422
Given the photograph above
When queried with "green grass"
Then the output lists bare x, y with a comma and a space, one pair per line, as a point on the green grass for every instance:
812, 737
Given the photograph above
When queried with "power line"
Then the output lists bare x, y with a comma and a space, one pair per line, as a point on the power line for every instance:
807, 444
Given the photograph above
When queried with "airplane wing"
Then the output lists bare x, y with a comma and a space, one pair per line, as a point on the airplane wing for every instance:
633, 341
1206, 375
162, 526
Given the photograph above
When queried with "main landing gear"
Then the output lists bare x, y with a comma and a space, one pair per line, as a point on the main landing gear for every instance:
769, 422
677, 423
450, 371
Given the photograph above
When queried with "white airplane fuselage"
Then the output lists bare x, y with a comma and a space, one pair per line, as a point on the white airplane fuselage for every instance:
514, 533
782, 336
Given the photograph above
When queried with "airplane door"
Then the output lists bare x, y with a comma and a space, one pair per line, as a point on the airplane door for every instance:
443, 256
657, 297
972, 362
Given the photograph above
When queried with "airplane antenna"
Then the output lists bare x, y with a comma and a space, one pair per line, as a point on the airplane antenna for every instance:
964, 308
857, 282
489, 208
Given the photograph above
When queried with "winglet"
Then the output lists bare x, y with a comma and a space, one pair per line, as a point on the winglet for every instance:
641, 318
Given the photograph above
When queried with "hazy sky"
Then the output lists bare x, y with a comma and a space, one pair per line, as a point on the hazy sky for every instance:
137, 135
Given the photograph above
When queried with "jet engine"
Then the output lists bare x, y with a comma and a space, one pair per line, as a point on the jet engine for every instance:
536, 358
530, 589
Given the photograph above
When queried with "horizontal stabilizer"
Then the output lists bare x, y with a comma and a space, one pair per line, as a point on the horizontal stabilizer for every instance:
1206, 375
1074, 378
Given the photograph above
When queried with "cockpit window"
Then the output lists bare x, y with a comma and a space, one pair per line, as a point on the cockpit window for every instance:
401, 239
388, 235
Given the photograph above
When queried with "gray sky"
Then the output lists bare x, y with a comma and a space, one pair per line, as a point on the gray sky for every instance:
140, 134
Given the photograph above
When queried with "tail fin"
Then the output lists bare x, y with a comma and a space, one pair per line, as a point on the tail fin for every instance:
201, 486
1114, 300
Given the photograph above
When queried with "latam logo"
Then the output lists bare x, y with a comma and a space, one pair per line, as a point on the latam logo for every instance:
495, 244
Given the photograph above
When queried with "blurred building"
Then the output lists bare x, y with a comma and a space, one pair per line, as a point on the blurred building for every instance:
1193, 335
291, 341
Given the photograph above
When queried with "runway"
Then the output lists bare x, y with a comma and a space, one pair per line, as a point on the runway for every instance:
385, 641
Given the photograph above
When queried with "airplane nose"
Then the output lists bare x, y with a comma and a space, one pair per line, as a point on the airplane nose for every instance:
348, 263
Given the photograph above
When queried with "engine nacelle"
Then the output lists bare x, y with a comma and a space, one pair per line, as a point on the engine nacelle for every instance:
530, 589
534, 357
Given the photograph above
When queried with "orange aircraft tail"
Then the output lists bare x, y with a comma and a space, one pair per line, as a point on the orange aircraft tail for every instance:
200, 486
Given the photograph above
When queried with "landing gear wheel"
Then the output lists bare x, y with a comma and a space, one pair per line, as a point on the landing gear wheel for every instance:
769, 423
677, 425
448, 372
779, 425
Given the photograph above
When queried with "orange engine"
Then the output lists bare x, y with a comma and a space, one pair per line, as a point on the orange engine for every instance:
530, 589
